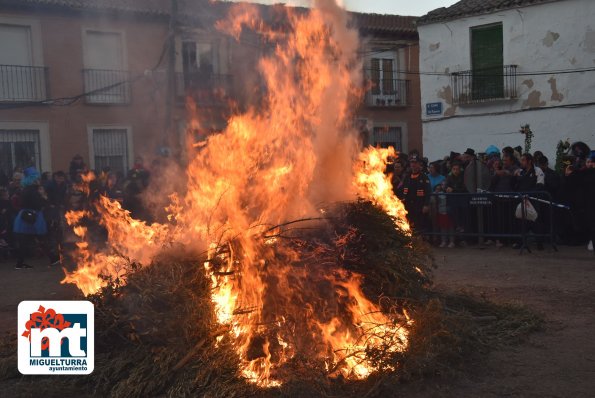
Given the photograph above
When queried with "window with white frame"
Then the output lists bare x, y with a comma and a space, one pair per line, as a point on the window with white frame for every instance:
20, 79
198, 66
19, 148
202, 67
197, 56
383, 75
105, 74
385, 86
110, 149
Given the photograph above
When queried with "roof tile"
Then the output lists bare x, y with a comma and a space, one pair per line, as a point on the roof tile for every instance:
368, 23
465, 8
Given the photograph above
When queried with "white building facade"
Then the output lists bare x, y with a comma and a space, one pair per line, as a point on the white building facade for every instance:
486, 69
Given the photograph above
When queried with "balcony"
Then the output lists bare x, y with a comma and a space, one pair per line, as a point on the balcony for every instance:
205, 88
106, 86
20, 83
485, 85
387, 93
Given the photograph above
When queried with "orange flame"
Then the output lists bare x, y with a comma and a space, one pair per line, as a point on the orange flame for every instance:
372, 183
273, 163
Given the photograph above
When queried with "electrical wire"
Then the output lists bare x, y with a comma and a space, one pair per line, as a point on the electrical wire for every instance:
68, 101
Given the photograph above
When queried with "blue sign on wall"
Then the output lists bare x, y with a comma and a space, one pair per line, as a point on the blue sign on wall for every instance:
434, 108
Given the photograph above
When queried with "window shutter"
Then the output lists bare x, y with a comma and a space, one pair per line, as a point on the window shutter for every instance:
110, 147
375, 76
487, 59
388, 73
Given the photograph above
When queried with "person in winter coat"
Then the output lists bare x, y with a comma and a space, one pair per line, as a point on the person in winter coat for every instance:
529, 178
455, 182
415, 193
30, 225
589, 193
77, 166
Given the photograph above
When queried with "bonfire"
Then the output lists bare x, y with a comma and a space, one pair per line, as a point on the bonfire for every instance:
299, 154
287, 264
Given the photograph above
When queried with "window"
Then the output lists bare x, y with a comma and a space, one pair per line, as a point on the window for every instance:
110, 149
197, 64
385, 89
105, 72
487, 62
197, 57
488, 79
19, 148
388, 136
383, 76
20, 80
201, 72
15, 45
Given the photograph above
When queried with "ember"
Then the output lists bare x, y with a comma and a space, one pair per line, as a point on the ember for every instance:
271, 286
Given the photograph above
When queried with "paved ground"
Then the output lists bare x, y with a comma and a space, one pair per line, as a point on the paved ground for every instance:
39, 283
557, 362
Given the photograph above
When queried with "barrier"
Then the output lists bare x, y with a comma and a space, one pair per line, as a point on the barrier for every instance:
493, 215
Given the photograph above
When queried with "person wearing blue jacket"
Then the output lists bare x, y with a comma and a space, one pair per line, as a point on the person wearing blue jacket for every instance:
30, 225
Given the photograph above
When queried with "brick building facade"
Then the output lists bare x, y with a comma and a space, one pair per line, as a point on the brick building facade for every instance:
99, 78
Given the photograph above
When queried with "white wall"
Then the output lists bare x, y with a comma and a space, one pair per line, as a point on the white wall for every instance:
547, 37
548, 126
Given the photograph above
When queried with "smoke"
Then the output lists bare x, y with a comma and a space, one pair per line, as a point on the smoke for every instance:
282, 157
279, 159
296, 144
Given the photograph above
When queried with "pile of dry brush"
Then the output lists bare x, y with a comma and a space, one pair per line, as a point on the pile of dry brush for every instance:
155, 335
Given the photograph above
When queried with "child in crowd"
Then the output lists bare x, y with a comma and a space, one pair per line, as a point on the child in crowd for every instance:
445, 224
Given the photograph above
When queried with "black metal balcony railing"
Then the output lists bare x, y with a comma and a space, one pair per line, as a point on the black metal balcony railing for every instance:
205, 88
19, 83
107, 86
388, 93
484, 85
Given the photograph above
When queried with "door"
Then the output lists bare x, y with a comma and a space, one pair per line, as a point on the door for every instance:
383, 76
19, 80
105, 74
487, 62
197, 65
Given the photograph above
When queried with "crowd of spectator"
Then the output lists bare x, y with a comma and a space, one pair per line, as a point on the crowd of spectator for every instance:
425, 186
33, 205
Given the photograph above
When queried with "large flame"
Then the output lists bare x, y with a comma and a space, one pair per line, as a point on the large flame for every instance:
275, 163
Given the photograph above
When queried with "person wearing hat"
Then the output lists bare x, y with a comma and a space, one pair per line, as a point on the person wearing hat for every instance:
492, 150
468, 157
29, 224
493, 158
415, 193
139, 173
